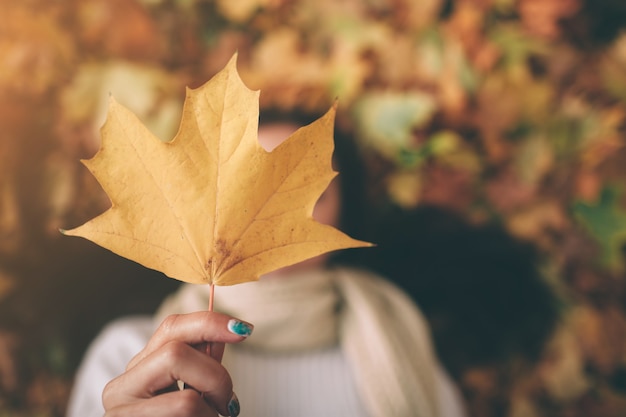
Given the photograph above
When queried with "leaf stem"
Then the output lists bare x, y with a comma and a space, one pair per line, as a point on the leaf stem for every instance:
211, 296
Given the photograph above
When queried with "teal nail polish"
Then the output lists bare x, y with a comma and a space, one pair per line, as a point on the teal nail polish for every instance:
233, 406
239, 327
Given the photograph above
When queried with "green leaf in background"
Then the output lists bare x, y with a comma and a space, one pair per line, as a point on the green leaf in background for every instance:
447, 147
516, 47
386, 120
606, 222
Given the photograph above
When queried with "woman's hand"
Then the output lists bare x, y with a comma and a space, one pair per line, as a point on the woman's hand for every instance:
178, 352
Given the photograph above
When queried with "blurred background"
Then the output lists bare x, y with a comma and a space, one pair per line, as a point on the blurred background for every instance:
495, 114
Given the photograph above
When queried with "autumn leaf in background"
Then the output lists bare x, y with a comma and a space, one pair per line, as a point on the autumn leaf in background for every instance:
606, 222
212, 206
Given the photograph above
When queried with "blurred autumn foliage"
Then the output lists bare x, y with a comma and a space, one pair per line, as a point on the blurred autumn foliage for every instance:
507, 111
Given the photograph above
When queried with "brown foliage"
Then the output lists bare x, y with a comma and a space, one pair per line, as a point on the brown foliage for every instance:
503, 110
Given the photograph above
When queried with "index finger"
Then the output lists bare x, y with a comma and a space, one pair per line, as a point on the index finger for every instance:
195, 329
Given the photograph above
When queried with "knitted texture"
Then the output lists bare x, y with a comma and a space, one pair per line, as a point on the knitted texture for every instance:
381, 332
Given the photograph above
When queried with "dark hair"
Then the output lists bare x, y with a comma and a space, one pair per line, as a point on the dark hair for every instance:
596, 24
480, 288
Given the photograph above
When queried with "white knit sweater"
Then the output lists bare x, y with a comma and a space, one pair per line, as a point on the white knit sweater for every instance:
310, 382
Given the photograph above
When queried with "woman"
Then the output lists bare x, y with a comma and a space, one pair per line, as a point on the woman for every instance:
327, 340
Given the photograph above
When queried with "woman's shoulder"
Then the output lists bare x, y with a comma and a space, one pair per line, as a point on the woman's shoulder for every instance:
134, 327
125, 333
118, 342
105, 358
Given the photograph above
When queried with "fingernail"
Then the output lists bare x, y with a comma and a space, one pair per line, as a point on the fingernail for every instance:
240, 328
233, 406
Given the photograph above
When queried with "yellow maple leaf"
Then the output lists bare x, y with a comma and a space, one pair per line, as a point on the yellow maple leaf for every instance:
212, 206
